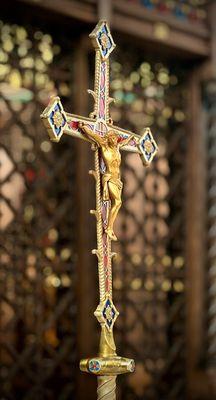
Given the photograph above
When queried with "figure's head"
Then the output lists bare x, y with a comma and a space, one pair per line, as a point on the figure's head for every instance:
112, 139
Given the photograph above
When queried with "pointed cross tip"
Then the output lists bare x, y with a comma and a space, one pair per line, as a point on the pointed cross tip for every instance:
148, 147
54, 118
102, 39
100, 23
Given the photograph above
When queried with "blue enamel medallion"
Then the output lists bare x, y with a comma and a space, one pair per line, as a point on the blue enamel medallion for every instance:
57, 128
147, 153
94, 366
109, 313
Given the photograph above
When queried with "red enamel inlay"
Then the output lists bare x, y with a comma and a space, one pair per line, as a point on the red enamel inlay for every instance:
74, 124
107, 285
102, 107
102, 79
131, 143
102, 91
105, 260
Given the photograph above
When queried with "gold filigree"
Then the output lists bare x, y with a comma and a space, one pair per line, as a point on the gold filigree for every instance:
58, 119
104, 41
109, 313
148, 146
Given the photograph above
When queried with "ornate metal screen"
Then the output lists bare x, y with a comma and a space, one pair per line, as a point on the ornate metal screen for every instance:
38, 257
149, 271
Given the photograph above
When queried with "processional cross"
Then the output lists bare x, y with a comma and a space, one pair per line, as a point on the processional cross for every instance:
108, 139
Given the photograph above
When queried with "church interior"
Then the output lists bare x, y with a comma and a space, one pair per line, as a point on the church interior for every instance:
162, 76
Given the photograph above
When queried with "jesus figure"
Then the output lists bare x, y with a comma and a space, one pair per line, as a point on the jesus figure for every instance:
111, 179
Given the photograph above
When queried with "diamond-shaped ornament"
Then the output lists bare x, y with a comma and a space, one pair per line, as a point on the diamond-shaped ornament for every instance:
147, 146
107, 313
54, 119
102, 39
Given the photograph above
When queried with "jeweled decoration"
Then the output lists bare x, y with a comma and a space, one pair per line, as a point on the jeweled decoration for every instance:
102, 39
94, 366
148, 146
109, 313
55, 119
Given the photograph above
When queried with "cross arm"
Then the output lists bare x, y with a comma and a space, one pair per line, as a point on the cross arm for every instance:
144, 144
58, 122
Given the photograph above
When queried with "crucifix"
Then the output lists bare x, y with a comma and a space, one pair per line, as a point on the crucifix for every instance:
107, 140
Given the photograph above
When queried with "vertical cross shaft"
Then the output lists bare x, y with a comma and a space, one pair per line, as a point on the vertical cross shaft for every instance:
107, 139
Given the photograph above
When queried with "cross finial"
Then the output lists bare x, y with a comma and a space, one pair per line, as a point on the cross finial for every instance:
102, 39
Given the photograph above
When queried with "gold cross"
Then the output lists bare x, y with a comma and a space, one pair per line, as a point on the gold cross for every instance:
108, 139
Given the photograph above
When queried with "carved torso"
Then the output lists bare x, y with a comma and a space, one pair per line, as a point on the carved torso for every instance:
112, 159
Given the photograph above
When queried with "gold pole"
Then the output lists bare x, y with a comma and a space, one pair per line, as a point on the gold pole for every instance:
107, 365
106, 388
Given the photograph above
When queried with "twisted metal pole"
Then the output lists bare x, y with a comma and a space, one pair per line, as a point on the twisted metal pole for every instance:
106, 388
107, 365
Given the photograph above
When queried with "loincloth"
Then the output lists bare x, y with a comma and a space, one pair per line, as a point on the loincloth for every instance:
115, 181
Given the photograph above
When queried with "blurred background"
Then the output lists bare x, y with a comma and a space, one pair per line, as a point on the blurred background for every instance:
162, 76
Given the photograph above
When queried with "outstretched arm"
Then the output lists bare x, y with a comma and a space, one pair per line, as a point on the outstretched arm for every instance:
126, 141
91, 134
